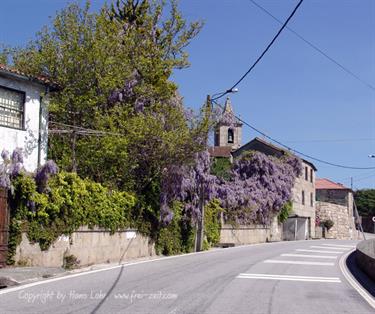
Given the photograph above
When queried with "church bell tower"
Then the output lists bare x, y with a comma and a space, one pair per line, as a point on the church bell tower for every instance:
228, 131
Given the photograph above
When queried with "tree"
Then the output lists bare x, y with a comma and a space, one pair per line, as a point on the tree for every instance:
365, 200
117, 118
113, 69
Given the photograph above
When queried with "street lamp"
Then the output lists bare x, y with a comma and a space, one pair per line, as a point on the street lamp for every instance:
221, 94
371, 156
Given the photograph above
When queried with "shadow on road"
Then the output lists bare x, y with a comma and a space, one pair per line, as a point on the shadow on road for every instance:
359, 275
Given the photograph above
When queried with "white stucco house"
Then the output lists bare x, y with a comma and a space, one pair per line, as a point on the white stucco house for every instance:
23, 115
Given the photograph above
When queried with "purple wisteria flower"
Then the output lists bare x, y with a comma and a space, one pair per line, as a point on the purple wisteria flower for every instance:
5, 155
17, 156
44, 173
10, 167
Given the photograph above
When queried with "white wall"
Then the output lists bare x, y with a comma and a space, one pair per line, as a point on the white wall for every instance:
26, 139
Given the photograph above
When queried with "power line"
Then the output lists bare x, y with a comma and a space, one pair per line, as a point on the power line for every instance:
79, 130
292, 149
263, 53
368, 139
316, 48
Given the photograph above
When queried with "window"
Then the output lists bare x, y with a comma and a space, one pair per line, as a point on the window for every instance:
311, 175
230, 136
312, 199
303, 197
11, 108
306, 174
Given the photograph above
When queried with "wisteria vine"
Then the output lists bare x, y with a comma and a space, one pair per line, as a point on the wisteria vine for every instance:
258, 187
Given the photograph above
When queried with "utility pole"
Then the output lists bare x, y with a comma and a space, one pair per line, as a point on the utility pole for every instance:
200, 225
351, 183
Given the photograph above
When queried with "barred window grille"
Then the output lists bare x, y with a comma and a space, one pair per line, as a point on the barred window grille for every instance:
11, 108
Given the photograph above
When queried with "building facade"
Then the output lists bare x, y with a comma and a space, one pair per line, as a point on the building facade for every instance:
228, 144
301, 223
335, 202
23, 116
228, 132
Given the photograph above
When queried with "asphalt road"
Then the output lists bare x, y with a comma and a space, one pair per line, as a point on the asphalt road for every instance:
248, 279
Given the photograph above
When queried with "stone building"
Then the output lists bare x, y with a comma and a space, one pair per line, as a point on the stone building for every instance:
334, 201
228, 132
301, 223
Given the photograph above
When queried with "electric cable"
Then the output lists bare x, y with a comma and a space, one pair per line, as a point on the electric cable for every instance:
292, 149
262, 54
316, 48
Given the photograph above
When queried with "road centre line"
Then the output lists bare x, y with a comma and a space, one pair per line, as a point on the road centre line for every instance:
329, 248
288, 278
319, 251
275, 261
312, 256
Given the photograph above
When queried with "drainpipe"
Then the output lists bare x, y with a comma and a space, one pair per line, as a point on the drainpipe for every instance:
40, 126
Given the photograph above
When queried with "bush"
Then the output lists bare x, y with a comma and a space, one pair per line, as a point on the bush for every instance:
328, 224
285, 211
212, 223
69, 203
70, 262
177, 237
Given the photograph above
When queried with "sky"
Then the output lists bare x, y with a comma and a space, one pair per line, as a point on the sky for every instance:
294, 94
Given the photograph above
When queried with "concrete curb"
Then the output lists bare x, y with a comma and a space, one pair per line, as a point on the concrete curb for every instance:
365, 256
353, 282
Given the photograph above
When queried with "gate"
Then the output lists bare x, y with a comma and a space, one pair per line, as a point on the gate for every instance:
295, 228
4, 227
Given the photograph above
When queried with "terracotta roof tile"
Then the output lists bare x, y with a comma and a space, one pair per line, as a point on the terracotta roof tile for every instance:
325, 184
220, 151
40, 79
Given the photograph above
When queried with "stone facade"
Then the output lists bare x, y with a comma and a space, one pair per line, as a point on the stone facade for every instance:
89, 246
303, 191
342, 217
228, 134
221, 136
303, 197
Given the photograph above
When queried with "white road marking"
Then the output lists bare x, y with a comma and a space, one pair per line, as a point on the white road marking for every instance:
339, 245
319, 251
349, 277
287, 277
275, 261
329, 248
312, 256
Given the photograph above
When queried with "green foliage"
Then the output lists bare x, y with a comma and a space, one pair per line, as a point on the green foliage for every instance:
70, 262
129, 41
212, 223
5, 53
70, 203
15, 238
106, 49
365, 200
221, 167
285, 211
177, 237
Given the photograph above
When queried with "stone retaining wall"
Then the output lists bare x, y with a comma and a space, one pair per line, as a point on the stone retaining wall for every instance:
365, 257
89, 246
250, 234
343, 227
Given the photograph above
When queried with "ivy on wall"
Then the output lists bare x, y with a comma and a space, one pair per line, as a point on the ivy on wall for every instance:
68, 203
